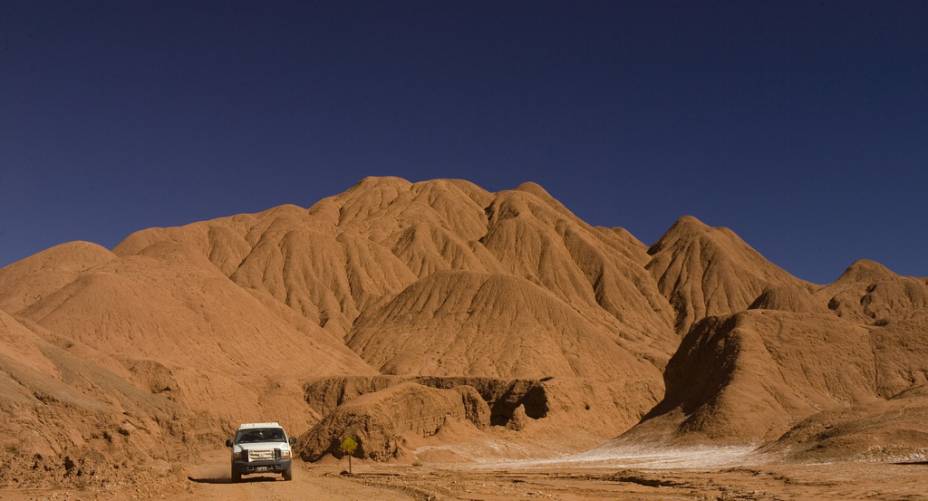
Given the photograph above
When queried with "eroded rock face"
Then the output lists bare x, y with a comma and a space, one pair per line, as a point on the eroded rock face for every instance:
815, 362
601, 408
869, 292
748, 377
502, 396
519, 419
379, 420
795, 298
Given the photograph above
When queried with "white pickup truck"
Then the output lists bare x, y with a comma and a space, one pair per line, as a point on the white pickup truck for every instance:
261, 448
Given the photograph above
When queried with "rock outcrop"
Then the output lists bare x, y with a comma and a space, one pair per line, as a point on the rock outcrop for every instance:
378, 421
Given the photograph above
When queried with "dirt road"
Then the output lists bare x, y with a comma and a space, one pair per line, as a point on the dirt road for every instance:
371, 481
211, 481
844, 481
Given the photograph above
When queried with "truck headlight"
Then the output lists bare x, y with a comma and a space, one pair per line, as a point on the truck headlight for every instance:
285, 453
236, 454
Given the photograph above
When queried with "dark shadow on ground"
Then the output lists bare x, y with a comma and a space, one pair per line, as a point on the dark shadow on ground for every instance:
924, 463
227, 480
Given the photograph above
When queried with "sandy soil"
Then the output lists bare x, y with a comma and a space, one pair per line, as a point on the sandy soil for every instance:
541, 480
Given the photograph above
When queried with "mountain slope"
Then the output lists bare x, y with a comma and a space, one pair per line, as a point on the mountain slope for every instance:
707, 271
754, 375
869, 292
29, 280
462, 323
230, 319
70, 413
748, 377
172, 316
347, 256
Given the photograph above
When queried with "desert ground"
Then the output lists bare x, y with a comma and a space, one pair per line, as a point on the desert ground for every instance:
662, 476
475, 344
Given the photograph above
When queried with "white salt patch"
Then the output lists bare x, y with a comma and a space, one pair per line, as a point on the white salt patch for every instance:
643, 457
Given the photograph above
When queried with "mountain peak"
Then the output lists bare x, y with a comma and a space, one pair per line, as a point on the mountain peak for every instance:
703, 270
534, 188
866, 269
373, 181
684, 228
688, 221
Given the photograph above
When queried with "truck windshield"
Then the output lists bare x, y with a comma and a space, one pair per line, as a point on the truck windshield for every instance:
259, 435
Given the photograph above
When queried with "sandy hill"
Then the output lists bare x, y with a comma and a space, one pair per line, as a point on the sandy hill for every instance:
464, 323
387, 253
71, 413
29, 280
890, 430
433, 286
788, 362
167, 324
795, 298
748, 377
870, 292
378, 420
710, 271
225, 320
554, 414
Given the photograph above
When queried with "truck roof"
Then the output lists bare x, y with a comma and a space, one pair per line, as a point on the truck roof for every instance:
246, 426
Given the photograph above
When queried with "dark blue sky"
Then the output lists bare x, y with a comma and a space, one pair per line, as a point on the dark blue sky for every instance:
801, 125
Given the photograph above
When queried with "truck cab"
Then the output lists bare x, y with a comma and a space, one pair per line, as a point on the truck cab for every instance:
261, 448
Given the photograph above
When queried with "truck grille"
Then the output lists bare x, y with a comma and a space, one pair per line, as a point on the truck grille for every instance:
260, 455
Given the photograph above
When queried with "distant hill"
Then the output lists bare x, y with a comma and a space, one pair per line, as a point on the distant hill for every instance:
183, 332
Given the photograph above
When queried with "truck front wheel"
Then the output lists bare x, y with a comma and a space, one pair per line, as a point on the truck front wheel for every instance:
236, 475
288, 473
